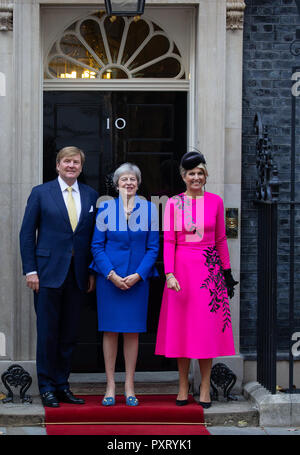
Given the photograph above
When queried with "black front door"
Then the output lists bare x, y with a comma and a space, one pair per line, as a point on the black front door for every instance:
146, 128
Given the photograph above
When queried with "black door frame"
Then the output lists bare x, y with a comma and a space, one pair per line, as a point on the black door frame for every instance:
90, 313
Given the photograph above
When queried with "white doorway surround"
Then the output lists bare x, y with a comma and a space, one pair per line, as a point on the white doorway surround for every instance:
211, 49
176, 23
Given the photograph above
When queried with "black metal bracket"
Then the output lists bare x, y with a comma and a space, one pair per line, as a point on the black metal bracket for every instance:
267, 183
16, 376
109, 185
295, 44
224, 378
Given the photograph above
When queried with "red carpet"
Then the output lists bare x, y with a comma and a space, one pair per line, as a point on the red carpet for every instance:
155, 415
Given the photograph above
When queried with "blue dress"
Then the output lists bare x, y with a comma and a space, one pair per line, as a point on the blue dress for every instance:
127, 248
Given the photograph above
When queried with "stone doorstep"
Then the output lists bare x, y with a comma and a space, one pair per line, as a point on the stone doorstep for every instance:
19, 414
239, 413
143, 388
280, 409
233, 413
145, 383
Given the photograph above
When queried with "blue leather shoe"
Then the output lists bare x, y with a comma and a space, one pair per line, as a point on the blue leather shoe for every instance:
131, 401
108, 401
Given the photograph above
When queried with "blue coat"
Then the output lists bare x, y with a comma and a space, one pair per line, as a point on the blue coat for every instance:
50, 252
127, 249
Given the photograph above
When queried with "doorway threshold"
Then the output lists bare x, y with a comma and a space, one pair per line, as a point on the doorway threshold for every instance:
160, 382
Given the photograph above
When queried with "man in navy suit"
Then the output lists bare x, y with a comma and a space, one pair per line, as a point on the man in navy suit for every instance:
55, 247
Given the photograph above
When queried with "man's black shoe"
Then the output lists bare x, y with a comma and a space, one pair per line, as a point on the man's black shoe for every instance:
49, 400
66, 396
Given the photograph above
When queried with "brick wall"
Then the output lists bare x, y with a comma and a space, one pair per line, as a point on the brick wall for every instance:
269, 29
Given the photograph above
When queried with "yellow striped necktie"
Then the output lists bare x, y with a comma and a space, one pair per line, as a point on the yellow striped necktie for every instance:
72, 209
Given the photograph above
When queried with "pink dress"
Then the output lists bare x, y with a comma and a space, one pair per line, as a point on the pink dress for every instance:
195, 322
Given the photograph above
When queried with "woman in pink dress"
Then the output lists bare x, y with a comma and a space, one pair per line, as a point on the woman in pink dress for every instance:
195, 321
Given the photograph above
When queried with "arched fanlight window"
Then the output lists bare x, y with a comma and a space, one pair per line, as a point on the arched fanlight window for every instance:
98, 48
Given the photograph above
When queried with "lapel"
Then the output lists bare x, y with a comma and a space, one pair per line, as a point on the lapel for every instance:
121, 219
57, 196
143, 213
122, 222
85, 204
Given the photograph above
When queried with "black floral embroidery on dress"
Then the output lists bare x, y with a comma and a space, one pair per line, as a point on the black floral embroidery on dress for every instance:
215, 283
178, 201
183, 203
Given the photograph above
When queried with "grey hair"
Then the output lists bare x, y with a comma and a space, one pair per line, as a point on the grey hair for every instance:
127, 168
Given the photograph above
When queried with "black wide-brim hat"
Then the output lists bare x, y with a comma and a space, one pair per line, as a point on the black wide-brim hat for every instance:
191, 160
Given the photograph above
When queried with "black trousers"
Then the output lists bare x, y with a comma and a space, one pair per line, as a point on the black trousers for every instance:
58, 316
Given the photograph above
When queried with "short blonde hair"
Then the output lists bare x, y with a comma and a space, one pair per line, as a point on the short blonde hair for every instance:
201, 166
70, 151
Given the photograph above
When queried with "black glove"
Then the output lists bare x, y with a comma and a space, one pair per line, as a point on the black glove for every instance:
230, 282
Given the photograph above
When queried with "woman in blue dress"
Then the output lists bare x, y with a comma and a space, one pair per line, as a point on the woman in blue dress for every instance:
125, 247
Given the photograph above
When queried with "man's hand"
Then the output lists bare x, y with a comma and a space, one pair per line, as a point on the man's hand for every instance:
33, 282
131, 280
91, 283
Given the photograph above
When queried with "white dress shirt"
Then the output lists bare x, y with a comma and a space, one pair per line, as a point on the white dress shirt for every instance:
75, 193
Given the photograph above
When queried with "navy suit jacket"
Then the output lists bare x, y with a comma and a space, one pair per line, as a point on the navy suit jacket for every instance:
126, 248
47, 240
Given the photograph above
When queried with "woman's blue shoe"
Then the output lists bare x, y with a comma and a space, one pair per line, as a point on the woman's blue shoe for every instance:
108, 401
131, 401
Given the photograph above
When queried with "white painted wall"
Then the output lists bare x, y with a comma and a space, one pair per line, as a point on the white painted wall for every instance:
2, 84
2, 345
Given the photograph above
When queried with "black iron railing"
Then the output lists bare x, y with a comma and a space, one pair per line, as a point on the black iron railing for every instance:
269, 243
267, 191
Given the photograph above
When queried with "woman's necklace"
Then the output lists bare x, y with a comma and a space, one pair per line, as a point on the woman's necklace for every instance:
128, 212
128, 209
